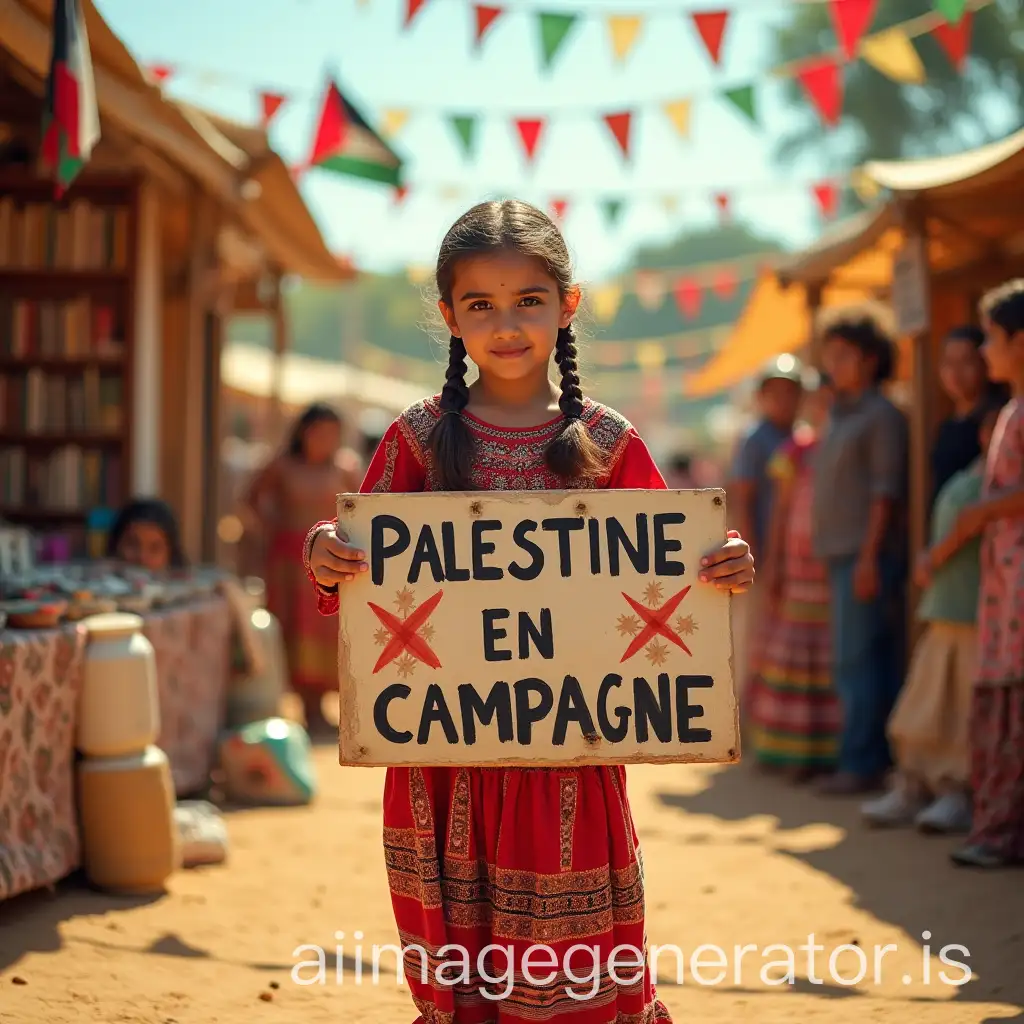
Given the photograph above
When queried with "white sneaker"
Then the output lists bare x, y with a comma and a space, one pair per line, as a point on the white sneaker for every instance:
893, 810
949, 814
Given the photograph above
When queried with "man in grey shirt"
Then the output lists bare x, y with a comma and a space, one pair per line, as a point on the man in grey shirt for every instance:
860, 490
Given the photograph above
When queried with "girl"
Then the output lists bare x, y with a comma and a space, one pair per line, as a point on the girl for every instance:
145, 534
795, 712
997, 714
507, 295
302, 484
929, 725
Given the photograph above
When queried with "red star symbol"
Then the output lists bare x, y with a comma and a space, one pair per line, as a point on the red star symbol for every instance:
405, 635
655, 623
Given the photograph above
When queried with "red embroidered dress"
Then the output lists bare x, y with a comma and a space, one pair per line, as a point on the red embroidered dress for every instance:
515, 857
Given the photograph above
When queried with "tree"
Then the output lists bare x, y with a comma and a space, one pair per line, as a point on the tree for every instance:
883, 120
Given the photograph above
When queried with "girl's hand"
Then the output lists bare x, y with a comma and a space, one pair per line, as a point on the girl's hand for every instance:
332, 560
971, 522
729, 567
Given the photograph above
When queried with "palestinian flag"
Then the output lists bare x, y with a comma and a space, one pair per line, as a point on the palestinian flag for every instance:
346, 144
71, 120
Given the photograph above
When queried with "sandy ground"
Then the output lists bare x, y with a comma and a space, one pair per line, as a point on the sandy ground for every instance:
732, 859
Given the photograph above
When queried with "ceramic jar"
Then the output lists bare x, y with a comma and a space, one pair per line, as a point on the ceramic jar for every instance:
119, 710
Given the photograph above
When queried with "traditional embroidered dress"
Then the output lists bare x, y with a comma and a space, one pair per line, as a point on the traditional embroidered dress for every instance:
997, 720
516, 857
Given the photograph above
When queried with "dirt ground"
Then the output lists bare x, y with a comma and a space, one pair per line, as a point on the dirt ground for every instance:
732, 859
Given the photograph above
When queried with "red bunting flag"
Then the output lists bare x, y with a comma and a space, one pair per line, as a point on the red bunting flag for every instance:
852, 18
956, 39
485, 18
619, 125
412, 8
688, 297
400, 194
270, 104
722, 202
823, 82
826, 194
160, 72
726, 283
529, 134
711, 26
559, 208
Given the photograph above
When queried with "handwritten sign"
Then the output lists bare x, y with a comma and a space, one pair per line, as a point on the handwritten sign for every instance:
535, 628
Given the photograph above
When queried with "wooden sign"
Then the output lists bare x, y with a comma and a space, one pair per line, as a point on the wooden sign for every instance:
535, 628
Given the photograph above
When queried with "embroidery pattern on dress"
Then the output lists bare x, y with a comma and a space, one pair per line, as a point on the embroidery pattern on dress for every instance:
458, 817
383, 485
569, 790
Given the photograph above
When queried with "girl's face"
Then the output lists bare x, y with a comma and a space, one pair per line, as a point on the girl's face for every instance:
321, 440
1002, 352
849, 369
961, 370
507, 309
145, 545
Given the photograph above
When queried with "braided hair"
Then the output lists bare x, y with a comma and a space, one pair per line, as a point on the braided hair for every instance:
490, 227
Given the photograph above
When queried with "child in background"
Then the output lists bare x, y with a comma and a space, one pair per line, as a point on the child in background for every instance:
145, 533
928, 729
997, 717
551, 856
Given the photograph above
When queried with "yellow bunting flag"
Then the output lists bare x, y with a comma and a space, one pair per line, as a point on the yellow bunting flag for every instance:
678, 112
670, 204
392, 122
624, 30
650, 356
893, 54
606, 300
867, 188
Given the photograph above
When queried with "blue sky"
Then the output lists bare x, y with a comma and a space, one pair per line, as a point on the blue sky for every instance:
226, 51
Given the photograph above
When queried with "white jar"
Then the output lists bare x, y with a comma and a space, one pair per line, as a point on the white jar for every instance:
119, 710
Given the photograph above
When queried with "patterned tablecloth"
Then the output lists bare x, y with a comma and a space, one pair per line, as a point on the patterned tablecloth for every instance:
41, 675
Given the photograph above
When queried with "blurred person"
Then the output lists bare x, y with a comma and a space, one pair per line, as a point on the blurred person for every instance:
303, 481
680, 474
929, 727
859, 524
750, 491
997, 713
794, 711
146, 534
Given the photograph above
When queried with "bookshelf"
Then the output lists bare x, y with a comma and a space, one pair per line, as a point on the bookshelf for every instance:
66, 344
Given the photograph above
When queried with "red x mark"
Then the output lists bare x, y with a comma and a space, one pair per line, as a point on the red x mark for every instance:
404, 635
655, 623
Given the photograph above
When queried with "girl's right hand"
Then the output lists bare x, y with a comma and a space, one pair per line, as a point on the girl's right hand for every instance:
332, 560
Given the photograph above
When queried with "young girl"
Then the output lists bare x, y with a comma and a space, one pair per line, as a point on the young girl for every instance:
997, 717
928, 729
507, 295
145, 534
794, 709
299, 485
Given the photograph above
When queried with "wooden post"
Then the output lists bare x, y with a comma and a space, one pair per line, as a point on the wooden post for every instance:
281, 346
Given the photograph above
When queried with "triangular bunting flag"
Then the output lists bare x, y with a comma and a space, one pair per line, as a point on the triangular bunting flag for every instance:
678, 112
867, 188
726, 283
649, 286
270, 105
607, 299
826, 194
554, 28
851, 19
711, 26
392, 122
412, 8
71, 120
723, 202
400, 194
160, 73
346, 144
670, 204
559, 208
624, 30
956, 40
823, 82
892, 53
951, 10
689, 297
619, 125
465, 129
529, 130
485, 18
744, 99
612, 210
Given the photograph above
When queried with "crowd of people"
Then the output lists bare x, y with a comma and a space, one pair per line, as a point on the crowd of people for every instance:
820, 485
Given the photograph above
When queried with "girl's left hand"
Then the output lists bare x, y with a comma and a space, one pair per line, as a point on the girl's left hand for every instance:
729, 567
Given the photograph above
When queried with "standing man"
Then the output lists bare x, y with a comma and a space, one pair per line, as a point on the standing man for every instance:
779, 393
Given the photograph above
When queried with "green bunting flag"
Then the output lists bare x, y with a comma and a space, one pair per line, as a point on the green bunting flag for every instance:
951, 10
612, 210
744, 100
465, 129
554, 28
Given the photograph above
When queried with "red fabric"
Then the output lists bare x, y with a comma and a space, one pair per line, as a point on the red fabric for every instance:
515, 857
